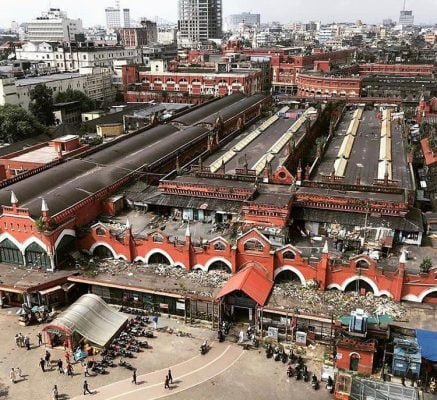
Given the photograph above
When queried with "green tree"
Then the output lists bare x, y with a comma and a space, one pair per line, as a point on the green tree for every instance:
86, 104
42, 104
18, 124
426, 264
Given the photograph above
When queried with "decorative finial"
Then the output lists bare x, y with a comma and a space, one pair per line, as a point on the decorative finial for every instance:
14, 199
44, 206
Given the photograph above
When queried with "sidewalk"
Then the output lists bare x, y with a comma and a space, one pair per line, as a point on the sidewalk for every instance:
186, 375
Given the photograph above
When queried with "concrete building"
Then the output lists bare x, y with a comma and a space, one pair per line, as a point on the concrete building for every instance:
233, 21
54, 26
406, 18
72, 56
199, 21
126, 18
133, 37
112, 17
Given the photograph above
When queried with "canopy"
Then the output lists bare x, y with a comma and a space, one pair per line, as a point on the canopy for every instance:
428, 343
91, 318
252, 281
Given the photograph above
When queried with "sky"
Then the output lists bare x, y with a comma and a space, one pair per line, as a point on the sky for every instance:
92, 12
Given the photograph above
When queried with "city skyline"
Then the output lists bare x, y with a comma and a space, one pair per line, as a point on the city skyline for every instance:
300, 10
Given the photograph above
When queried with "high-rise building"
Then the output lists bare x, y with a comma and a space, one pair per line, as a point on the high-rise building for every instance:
199, 20
126, 17
233, 21
406, 18
54, 26
112, 17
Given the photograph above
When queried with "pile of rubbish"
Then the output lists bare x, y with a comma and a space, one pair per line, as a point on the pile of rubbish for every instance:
309, 300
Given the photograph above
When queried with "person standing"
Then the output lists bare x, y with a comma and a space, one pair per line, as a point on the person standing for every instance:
18, 371
134, 376
39, 336
55, 393
69, 370
12, 375
17, 340
60, 366
20, 339
42, 364
27, 342
86, 388
166, 383
170, 377
47, 358
85, 369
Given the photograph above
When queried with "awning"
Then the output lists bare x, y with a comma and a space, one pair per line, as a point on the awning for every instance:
50, 290
428, 344
252, 281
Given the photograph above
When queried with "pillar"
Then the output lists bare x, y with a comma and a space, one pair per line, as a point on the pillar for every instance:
322, 268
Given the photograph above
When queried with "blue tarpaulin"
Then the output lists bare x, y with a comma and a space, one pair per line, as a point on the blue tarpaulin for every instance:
428, 342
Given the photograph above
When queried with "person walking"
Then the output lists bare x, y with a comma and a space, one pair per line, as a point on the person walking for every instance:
170, 377
134, 376
47, 358
60, 366
12, 375
55, 393
86, 388
67, 357
27, 342
17, 340
20, 339
39, 336
166, 382
69, 370
18, 371
42, 364
86, 372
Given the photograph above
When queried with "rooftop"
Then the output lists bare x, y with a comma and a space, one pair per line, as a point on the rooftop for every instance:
46, 79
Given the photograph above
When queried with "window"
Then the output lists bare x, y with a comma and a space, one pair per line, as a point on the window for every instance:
219, 246
253, 245
289, 255
100, 231
157, 238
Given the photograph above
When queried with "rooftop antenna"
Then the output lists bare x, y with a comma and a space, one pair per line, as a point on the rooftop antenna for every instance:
405, 1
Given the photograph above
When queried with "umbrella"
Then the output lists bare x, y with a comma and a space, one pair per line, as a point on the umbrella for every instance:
43, 309
21, 312
34, 309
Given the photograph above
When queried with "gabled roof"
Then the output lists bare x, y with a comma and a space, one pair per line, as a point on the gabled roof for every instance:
252, 281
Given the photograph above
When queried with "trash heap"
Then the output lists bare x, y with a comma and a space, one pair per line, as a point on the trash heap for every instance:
309, 300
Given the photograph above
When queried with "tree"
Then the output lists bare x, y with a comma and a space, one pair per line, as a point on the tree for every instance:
41, 105
426, 264
18, 124
86, 104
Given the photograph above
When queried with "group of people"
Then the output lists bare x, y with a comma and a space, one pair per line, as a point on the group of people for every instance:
168, 380
22, 341
14, 374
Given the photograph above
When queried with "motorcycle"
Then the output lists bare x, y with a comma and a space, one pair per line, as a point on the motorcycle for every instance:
298, 375
125, 364
314, 382
306, 376
290, 371
278, 356
284, 357
204, 347
220, 336
149, 334
269, 351
330, 385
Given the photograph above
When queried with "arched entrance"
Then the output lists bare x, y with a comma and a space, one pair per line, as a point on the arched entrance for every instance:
430, 298
37, 256
65, 247
158, 258
287, 276
102, 252
359, 286
10, 253
219, 266
354, 362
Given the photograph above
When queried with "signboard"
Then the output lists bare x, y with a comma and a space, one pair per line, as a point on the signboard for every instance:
163, 305
339, 356
180, 305
272, 332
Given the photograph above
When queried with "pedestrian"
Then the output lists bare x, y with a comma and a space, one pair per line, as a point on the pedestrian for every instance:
60, 366
47, 358
12, 375
85, 369
20, 339
134, 376
55, 393
27, 342
86, 388
69, 370
39, 336
67, 357
17, 340
170, 377
166, 383
18, 371
155, 321
42, 364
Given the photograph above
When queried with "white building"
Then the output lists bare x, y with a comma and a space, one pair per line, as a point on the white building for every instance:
406, 18
54, 26
96, 83
68, 57
112, 17
126, 18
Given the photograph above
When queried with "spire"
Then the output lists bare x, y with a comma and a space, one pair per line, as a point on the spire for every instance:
325, 249
14, 199
44, 206
128, 226
187, 232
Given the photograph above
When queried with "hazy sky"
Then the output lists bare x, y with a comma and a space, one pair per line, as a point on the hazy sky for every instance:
92, 11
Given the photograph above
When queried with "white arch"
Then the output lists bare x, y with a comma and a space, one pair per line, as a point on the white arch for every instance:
65, 232
292, 269
354, 353
366, 260
362, 278
109, 247
160, 251
36, 240
334, 286
426, 293
7, 235
199, 267
179, 264
214, 259
386, 293
411, 297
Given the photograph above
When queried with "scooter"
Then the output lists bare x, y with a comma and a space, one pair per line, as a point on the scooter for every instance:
314, 382
330, 385
204, 347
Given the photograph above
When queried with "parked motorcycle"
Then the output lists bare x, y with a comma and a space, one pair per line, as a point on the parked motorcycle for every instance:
204, 347
314, 382
269, 351
220, 336
330, 385
290, 371
125, 364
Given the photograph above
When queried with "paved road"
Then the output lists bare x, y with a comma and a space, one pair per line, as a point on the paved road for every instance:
186, 375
